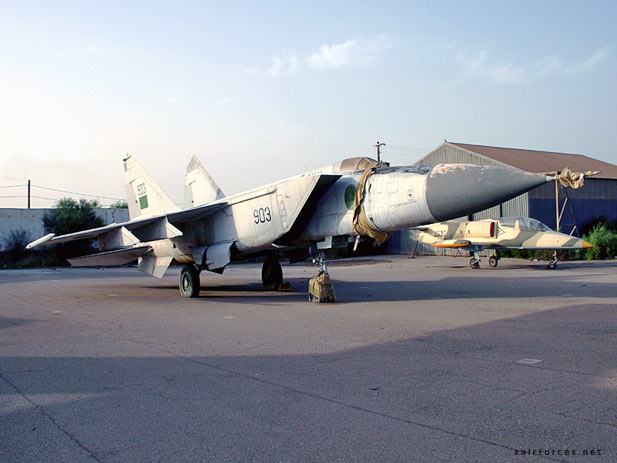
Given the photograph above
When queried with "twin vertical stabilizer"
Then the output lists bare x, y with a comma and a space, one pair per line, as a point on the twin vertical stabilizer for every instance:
145, 198
200, 188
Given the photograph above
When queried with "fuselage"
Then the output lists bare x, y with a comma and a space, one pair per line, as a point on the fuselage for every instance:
395, 198
502, 233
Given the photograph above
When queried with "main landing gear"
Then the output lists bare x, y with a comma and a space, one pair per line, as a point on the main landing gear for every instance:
474, 262
189, 281
272, 274
493, 261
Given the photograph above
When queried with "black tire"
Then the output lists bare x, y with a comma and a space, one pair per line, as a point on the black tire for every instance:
493, 261
551, 266
474, 264
189, 281
271, 275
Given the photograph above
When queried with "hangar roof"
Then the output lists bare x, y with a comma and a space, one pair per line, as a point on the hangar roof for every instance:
542, 161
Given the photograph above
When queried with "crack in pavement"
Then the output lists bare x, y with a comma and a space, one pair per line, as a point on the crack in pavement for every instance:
52, 420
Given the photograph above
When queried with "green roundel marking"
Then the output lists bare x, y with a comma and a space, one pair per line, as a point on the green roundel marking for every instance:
350, 196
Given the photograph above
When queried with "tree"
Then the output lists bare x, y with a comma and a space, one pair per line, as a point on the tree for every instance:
70, 216
120, 204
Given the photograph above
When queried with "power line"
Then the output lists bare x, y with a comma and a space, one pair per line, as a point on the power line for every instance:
12, 178
12, 186
389, 153
43, 198
410, 148
76, 193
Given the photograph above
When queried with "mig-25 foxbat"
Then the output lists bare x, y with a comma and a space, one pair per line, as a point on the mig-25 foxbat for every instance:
502, 233
323, 208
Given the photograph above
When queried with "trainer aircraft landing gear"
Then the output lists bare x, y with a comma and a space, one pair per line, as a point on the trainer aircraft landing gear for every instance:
271, 274
552, 264
474, 262
493, 261
189, 281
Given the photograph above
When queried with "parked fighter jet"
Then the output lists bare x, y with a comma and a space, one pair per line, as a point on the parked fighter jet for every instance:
323, 208
502, 233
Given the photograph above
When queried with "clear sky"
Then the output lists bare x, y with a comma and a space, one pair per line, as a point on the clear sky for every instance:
263, 90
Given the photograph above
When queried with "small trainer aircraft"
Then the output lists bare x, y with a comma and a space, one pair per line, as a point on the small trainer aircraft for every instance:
502, 233
324, 208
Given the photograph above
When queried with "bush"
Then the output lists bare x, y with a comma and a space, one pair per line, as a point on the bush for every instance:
15, 243
15, 248
604, 242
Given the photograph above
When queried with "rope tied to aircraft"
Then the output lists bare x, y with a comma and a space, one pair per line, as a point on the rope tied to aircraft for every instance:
574, 180
362, 225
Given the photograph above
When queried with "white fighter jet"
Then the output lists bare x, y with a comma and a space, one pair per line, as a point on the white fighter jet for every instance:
502, 233
323, 208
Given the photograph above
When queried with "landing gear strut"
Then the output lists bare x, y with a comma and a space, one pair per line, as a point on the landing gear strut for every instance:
189, 281
271, 274
320, 287
552, 264
474, 262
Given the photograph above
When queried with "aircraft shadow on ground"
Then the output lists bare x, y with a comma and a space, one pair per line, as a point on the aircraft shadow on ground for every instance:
438, 381
470, 286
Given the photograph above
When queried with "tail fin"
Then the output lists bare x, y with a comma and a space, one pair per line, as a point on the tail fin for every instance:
144, 196
200, 187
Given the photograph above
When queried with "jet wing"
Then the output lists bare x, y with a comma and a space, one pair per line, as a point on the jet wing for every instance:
306, 209
195, 213
154, 223
116, 257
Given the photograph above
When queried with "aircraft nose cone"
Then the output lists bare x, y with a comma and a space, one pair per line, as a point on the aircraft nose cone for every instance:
456, 190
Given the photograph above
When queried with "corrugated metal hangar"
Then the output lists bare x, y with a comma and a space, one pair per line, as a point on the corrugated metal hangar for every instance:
575, 208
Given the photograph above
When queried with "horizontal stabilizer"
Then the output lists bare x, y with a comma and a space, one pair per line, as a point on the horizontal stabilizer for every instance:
452, 244
110, 258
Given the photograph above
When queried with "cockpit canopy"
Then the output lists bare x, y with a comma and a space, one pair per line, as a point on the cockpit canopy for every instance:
526, 223
353, 164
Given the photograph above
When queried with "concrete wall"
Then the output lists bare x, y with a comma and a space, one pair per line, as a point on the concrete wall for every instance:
31, 220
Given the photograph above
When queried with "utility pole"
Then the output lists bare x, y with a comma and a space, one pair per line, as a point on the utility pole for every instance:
28, 193
556, 203
378, 146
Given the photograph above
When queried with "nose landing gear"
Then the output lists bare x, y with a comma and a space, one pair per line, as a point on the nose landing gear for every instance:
552, 265
320, 286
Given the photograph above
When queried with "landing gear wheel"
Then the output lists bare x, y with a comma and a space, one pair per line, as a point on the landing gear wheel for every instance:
271, 275
189, 281
474, 263
493, 261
